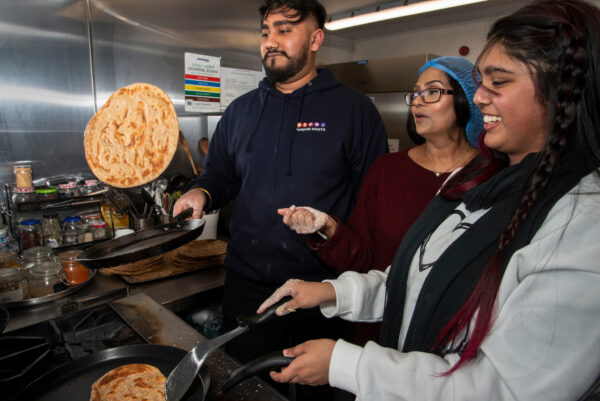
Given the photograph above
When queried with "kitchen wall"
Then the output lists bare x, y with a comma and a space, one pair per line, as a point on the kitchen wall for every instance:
61, 60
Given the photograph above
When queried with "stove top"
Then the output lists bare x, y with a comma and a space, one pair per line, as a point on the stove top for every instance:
30, 352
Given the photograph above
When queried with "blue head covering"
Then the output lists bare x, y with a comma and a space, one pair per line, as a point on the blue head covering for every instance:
461, 69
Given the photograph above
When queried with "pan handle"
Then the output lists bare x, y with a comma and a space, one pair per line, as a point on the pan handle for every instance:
266, 362
179, 219
267, 315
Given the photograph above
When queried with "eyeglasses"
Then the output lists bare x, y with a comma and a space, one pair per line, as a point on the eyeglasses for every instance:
430, 95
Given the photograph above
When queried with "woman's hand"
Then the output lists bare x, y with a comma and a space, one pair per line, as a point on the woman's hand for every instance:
311, 363
307, 294
306, 220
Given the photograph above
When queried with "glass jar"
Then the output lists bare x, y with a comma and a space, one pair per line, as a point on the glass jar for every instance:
72, 228
89, 186
75, 272
8, 260
36, 255
51, 230
30, 233
23, 176
13, 285
99, 230
23, 198
46, 195
68, 190
44, 277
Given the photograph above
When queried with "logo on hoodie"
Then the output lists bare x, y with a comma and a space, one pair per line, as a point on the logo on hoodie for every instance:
314, 126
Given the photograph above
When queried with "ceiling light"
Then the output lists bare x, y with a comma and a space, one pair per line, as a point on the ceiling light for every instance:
382, 13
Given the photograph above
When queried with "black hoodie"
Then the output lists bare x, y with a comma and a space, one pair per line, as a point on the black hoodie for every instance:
270, 150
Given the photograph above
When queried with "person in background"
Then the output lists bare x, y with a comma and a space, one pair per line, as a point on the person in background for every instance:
399, 185
493, 293
302, 136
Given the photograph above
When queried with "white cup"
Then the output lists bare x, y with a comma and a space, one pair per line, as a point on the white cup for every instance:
210, 226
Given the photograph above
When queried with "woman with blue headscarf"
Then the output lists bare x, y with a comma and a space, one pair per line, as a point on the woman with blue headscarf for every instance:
399, 185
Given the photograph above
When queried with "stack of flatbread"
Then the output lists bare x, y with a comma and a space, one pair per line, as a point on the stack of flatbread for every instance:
132, 138
133, 382
194, 255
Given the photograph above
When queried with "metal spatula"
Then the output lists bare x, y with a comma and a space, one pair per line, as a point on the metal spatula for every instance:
182, 376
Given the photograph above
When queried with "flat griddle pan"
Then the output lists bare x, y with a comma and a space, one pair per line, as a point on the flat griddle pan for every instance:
142, 244
73, 380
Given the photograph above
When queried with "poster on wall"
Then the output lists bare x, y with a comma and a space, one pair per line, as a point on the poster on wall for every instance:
202, 83
235, 82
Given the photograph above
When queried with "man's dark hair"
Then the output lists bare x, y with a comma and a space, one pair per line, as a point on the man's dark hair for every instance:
301, 8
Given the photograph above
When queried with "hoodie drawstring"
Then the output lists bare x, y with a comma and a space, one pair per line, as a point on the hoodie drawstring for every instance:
253, 134
288, 168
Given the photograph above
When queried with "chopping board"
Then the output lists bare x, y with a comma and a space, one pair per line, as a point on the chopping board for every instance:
194, 255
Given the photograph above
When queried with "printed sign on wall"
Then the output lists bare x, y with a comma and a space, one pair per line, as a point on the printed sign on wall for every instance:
202, 83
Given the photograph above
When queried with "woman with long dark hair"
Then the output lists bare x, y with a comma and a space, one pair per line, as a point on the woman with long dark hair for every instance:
493, 292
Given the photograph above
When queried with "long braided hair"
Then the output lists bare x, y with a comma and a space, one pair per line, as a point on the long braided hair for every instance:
559, 42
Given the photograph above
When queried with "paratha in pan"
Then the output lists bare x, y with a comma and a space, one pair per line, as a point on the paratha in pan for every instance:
132, 138
133, 382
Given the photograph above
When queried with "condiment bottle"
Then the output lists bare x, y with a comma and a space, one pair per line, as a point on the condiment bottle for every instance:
8, 260
89, 187
72, 228
68, 190
30, 233
43, 278
23, 176
99, 230
23, 198
51, 230
13, 285
75, 272
36, 255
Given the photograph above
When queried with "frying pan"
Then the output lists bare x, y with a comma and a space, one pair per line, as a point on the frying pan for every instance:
74, 379
142, 244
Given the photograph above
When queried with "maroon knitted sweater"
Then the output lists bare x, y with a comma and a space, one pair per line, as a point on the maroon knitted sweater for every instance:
393, 194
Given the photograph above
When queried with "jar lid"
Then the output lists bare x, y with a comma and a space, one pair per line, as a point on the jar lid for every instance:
71, 184
91, 183
45, 190
38, 252
30, 222
22, 168
69, 255
24, 190
45, 269
72, 218
100, 224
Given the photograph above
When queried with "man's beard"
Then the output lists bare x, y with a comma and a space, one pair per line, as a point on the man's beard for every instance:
291, 68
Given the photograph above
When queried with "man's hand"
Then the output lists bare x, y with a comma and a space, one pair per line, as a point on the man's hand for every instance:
194, 198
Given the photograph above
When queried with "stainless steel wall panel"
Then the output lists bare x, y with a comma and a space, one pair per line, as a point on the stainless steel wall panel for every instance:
45, 91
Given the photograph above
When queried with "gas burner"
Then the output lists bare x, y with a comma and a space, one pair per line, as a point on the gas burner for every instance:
32, 351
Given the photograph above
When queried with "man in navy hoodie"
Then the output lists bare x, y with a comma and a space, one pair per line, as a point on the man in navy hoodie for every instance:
302, 137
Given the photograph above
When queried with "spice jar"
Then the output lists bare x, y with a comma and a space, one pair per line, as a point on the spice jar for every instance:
43, 278
30, 233
51, 230
89, 187
23, 176
8, 260
13, 285
72, 228
99, 230
46, 195
23, 198
36, 255
75, 272
68, 190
